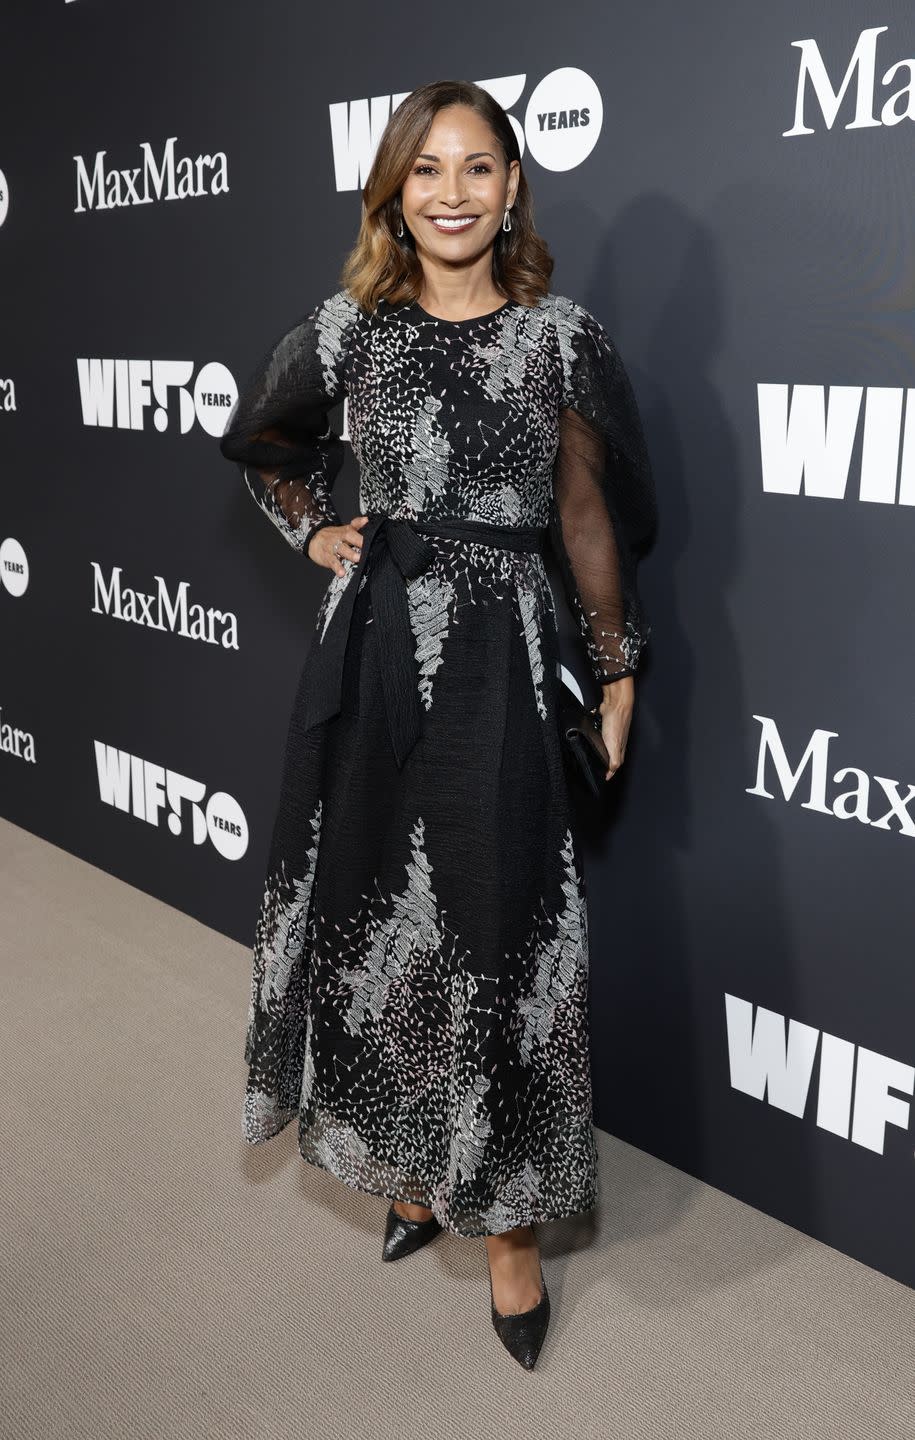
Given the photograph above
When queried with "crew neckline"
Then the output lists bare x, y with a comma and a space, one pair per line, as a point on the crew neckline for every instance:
472, 320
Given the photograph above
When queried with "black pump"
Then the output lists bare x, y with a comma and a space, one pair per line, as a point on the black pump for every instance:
522, 1334
402, 1236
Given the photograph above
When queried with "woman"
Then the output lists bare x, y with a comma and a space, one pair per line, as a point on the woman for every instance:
419, 992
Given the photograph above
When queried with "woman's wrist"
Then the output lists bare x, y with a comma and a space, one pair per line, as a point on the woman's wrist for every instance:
621, 691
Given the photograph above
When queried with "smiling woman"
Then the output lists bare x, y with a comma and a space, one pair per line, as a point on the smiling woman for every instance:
465, 197
447, 211
419, 997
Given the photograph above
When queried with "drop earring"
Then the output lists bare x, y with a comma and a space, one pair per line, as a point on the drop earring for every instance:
506, 220
400, 228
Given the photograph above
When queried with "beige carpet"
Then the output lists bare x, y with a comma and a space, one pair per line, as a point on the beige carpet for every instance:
162, 1279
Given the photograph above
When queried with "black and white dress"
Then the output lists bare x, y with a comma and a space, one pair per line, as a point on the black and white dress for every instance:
419, 1000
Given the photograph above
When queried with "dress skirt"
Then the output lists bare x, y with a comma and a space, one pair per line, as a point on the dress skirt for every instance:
419, 998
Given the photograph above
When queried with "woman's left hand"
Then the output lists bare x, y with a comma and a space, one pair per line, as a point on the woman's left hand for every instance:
615, 718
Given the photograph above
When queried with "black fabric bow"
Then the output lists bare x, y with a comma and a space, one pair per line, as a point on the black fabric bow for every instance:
393, 553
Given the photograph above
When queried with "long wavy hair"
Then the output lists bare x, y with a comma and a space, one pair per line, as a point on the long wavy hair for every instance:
380, 266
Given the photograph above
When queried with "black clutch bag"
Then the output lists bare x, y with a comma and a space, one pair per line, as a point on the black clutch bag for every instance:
584, 742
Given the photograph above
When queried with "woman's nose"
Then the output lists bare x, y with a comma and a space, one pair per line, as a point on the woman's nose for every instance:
452, 190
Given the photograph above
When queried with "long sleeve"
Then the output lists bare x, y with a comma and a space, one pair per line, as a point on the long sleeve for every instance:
603, 506
279, 423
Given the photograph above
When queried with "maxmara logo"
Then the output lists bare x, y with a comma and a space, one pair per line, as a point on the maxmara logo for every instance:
859, 80
853, 1091
160, 610
165, 176
118, 393
14, 567
7, 395
807, 437
142, 789
4, 198
562, 122
14, 741
847, 794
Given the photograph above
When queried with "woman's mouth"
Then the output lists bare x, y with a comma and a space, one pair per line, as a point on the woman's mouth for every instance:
448, 226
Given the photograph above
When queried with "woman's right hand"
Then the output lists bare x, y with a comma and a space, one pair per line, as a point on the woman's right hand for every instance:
347, 539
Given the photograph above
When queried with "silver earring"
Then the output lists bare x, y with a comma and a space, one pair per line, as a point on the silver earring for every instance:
400, 229
506, 220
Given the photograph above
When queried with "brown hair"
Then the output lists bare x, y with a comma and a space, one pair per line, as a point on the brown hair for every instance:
382, 266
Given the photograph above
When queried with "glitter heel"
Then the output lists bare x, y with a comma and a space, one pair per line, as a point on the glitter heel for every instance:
522, 1334
402, 1236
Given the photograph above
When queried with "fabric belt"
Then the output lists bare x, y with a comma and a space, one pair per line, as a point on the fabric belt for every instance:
393, 553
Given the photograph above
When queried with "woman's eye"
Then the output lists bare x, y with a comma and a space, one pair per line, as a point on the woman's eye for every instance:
421, 169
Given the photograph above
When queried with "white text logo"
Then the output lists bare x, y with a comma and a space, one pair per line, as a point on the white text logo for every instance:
14, 741
161, 611
852, 803
806, 442
862, 68
853, 1098
117, 393
142, 789
7, 395
185, 178
562, 122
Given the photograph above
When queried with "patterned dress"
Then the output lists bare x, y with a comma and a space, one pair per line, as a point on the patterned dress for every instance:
419, 998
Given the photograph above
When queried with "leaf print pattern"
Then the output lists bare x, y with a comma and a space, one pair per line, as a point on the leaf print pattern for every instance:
425, 474
472, 1129
430, 598
276, 1009
527, 599
409, 927
560, 947
289, 916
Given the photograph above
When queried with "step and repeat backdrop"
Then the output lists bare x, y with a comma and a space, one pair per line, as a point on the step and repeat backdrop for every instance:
729, 191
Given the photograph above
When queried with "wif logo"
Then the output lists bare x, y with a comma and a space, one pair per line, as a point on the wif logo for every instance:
168, 178
853, 1091
562, 122
862, 70
806, 444
143, 789
118, 393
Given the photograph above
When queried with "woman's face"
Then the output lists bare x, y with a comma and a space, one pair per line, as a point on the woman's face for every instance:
459, 176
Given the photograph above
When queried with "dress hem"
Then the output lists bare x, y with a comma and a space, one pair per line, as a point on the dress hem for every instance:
410, 1194
538, 1217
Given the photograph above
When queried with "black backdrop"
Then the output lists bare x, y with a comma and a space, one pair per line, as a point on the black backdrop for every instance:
752, 986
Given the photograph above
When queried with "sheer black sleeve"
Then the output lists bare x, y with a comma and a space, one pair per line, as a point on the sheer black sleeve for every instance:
603, 508
278, 431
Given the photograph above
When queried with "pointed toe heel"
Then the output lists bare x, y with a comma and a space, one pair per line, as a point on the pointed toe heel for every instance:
402, 1236
523, 1334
